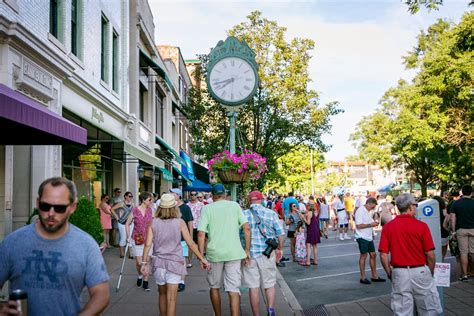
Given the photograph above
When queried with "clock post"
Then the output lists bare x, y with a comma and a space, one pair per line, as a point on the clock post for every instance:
232, 80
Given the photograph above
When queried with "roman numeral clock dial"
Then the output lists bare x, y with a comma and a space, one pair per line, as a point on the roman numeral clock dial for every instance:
232, 80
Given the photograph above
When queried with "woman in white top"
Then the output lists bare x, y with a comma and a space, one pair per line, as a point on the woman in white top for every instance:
324, 216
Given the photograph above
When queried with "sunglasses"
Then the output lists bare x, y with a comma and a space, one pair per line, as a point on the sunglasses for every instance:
415, 204
200, 197
129, 196
193, 194
58, 208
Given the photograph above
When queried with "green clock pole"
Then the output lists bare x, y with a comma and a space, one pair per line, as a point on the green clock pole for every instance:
232, 115
232, 61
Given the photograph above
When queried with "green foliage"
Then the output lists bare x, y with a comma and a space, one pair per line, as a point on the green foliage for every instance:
428, 124
284, 112
87, 218
293, 172
414, 5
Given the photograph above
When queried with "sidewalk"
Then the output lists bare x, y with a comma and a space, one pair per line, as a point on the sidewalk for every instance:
130, 300
458, 300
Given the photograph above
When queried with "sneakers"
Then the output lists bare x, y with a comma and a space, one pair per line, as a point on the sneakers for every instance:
284, 259
341, 237
139, 282
364, 281
346, 237
145, 286
281, 264
181, 287
189, 265
271, 312
463, 278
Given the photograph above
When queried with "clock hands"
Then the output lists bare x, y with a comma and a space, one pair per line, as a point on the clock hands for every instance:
224, 83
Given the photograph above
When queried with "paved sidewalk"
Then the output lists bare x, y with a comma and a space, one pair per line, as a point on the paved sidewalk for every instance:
130, 300
458, 300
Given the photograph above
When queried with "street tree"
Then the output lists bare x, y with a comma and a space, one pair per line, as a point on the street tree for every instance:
284, 112
428, 124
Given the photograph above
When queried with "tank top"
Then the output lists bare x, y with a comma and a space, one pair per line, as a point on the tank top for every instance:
141, 222
167, 250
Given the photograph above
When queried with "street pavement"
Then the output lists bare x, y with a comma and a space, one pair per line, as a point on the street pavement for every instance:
331, 288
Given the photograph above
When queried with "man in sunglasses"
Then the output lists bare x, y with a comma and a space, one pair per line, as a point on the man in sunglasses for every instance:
52, 260
412, 261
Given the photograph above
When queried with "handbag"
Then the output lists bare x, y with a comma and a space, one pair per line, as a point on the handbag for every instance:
453, 246
139, 240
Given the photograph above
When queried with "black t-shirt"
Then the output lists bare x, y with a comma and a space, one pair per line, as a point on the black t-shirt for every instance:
186, 214
464, 210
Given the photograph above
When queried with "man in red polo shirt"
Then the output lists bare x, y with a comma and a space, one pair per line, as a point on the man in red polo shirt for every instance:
411, 268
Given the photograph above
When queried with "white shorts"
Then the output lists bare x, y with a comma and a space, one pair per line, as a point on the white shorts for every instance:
262, 270
342, 217
123, 234
163, 277
138, 250
444, 241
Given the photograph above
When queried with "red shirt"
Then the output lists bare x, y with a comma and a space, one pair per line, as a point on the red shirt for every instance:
407, 240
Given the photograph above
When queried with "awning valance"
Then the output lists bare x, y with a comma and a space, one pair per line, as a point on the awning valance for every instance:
160, 71
142, 155
181, 174
24, 121
166, 174
160, 141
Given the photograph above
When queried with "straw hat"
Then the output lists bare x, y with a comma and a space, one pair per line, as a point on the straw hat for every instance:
167, 201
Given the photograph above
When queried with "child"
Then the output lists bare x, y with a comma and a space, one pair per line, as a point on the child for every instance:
300, 243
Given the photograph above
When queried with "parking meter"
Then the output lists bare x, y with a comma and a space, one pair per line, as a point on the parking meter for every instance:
428, 211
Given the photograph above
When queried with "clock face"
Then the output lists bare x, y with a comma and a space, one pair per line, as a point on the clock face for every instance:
232, 80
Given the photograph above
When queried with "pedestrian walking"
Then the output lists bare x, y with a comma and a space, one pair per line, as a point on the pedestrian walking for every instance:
141, 216
462, 218
313, 235
53, 260
222, 221
292, 221
265, 250
196, 206
364, 236
105, 218
412, 261
324, 216
187, 217
168, 263
121, 214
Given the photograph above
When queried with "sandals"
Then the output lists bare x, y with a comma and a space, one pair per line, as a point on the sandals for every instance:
304, 264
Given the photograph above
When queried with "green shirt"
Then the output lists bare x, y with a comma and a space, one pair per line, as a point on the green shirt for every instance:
221, 221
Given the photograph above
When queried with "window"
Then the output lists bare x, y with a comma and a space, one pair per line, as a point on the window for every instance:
74, 21
141, 105
54, 18
115, 64
104, 49
159, 114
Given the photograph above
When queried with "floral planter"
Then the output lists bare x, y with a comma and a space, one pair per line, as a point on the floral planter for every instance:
232, 176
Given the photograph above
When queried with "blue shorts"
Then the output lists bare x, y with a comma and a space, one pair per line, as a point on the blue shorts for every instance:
343, 225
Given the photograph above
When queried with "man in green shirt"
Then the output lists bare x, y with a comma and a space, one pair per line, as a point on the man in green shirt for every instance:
222, 221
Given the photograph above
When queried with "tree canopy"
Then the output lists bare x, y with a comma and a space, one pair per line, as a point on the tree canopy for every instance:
428, 124
284, 112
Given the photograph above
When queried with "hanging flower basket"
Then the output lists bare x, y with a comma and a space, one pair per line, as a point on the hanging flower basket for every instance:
235, 168
232, 176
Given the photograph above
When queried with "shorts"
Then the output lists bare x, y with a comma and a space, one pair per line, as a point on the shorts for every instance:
324, 219
138, 250
163, 277
195, 235
444, 241
262, 270
227, 272
343, 225
291, 234
465, 240
365, 246
185, 247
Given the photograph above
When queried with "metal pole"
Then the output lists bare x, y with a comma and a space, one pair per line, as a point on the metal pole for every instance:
312, 171
232, 114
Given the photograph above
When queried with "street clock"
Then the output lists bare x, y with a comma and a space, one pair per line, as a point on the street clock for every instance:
232, 77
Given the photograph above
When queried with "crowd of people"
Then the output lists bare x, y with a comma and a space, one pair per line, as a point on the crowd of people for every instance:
238, 245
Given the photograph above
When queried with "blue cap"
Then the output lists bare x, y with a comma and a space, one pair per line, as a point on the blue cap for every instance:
218, 189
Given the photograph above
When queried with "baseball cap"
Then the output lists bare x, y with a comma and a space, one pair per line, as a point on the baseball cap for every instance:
218, 189
255, 195
177, 191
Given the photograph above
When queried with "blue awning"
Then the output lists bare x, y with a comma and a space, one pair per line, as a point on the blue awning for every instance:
199, 186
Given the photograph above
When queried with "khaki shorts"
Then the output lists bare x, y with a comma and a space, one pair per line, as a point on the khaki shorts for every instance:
262, 270
229, 271
465, 240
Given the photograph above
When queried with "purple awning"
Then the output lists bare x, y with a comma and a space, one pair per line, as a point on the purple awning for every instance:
25, 121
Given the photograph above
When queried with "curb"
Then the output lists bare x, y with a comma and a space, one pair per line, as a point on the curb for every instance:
289, 296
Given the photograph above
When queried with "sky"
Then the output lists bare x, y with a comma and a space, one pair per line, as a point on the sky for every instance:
358, 52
